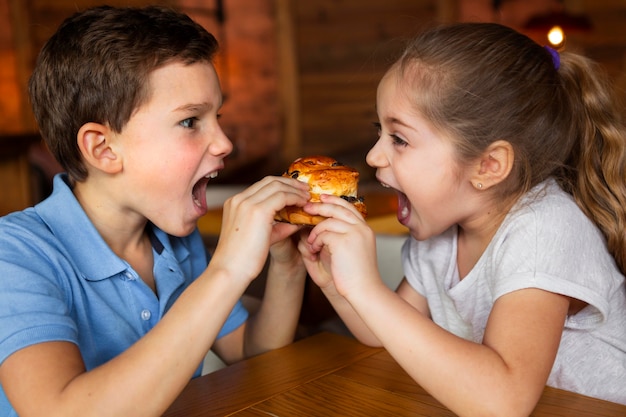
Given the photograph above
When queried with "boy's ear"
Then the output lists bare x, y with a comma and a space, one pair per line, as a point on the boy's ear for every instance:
494, 165
94, 142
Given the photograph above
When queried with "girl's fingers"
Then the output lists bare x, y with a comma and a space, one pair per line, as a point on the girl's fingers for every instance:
334, 207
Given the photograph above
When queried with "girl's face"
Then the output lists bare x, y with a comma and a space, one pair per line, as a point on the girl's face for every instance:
172, 145
418, 162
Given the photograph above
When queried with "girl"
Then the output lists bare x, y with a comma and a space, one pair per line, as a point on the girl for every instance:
508, 161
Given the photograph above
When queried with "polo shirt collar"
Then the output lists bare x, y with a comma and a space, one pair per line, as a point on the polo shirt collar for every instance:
69, 223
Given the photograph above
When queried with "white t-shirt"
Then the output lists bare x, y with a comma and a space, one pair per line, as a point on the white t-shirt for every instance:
545, 242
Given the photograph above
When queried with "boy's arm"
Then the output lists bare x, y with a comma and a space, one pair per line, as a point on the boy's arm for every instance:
147, 377
273, 320
49, 379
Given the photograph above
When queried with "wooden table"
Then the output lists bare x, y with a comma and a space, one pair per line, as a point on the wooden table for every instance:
332, 375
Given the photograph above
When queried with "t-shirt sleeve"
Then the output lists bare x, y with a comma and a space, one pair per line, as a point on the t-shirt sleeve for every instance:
559, 250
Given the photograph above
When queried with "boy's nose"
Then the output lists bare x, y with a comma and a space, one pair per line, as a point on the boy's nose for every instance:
221, 144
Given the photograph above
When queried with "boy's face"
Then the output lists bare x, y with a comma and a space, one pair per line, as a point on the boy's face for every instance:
172, 145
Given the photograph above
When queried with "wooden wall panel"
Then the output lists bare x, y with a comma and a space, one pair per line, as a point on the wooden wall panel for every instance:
300, 75
15, 187
344, 47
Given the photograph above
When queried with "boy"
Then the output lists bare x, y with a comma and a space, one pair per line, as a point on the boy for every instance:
106, 301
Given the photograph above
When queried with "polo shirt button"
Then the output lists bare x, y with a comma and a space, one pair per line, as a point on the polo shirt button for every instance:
146, 314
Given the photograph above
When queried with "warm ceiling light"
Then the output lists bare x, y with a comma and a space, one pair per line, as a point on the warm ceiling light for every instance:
556, 37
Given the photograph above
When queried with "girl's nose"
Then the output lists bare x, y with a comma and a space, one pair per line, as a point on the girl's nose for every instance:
375, 157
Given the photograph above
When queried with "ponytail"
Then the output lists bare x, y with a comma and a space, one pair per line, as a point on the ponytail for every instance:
597, 179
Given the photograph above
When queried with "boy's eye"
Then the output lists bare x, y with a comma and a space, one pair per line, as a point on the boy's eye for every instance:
189, 123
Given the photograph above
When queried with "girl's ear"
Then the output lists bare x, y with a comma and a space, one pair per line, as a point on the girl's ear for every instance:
95, 144
494, 165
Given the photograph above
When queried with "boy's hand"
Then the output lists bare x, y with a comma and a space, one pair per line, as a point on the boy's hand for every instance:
285, 250
249, 229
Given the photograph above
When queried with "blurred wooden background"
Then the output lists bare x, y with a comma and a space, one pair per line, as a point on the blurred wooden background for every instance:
299, 76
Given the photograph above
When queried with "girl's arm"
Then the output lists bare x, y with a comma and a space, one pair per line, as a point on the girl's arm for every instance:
353, 245
503, 375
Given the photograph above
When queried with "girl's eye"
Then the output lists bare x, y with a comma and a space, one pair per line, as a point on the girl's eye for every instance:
189, 123
378, 128
398, 141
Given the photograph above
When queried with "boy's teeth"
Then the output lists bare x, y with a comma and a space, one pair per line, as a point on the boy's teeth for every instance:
212, 175
405, 211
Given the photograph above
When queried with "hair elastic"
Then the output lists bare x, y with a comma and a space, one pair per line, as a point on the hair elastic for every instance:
556, 58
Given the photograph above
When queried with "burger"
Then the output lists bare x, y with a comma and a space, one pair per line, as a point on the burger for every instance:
324, 175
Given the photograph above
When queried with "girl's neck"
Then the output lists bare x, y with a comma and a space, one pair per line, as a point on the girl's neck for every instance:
474, 237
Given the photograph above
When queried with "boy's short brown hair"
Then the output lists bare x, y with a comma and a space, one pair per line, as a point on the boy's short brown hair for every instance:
96, 66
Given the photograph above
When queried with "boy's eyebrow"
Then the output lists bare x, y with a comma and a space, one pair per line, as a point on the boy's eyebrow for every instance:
194, 107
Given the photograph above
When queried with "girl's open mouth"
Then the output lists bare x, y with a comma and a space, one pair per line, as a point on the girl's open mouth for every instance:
404, 208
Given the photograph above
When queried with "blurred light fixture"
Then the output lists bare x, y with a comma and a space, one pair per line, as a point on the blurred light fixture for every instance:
556, 37
557, 23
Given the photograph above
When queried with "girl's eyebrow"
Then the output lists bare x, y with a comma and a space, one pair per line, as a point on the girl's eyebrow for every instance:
393, 120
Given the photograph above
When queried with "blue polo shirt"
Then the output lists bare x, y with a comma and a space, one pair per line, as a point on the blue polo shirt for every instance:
59, 281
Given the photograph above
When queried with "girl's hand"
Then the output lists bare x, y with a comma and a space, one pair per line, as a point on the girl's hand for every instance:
249, 230
340, 250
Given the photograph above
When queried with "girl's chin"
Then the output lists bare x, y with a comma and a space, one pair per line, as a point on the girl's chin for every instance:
417, 236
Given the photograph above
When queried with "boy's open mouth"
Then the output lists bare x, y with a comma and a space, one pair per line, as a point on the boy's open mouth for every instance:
199, 190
